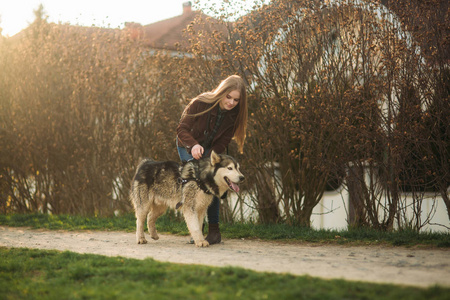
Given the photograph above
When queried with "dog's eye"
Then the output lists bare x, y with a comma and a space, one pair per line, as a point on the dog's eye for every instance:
230, 168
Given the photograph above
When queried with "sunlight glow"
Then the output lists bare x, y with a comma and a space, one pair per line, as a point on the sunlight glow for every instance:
18, 14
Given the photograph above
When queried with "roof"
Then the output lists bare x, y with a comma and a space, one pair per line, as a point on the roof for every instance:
167, 33
170, 34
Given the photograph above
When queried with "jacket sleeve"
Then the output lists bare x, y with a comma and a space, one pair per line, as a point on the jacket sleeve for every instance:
186, 126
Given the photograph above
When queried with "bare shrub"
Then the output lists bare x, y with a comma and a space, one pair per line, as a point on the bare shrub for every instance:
80, 106
341, 86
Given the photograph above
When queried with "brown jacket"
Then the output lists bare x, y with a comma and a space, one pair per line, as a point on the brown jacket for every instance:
191, 130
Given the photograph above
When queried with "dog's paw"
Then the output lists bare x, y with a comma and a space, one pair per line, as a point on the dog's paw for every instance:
155, 237
142, 241
202, 243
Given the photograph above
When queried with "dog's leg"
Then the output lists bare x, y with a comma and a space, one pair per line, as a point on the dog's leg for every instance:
155, 212
201, 218
192, 222
200, 223
140, 223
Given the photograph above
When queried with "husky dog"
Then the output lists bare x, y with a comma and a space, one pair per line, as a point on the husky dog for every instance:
190, 186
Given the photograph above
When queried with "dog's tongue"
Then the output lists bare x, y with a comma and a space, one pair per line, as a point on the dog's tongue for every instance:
235, 187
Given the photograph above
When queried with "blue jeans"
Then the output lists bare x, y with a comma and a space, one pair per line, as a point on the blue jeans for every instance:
214, 207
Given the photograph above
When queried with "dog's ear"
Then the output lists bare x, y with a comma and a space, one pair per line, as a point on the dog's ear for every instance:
215, 158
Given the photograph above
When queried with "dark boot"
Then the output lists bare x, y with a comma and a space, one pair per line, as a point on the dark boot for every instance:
214, 236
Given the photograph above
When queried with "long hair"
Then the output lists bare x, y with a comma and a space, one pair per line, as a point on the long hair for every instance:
231, 83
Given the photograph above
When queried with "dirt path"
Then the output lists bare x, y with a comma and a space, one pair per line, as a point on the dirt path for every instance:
375, 264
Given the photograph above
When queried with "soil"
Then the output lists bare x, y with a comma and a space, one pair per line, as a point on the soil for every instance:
379, 264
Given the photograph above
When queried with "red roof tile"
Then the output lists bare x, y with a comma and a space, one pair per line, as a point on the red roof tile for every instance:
165, 34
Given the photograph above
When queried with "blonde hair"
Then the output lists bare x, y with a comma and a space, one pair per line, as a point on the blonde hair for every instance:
231, 83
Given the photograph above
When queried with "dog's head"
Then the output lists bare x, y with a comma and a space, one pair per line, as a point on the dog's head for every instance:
227, 171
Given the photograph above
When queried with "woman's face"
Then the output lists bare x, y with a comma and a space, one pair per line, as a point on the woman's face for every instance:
230, 100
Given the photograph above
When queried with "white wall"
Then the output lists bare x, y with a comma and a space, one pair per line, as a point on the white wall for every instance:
331, 212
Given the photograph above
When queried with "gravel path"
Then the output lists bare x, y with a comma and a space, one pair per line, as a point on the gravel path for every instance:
396, 265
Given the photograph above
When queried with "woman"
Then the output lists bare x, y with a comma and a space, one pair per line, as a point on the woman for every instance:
209, 122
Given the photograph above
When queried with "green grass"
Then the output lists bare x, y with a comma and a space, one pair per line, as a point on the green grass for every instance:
37, 274
170, 223
363, 236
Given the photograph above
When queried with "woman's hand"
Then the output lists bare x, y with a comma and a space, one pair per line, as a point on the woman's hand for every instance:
197, 151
